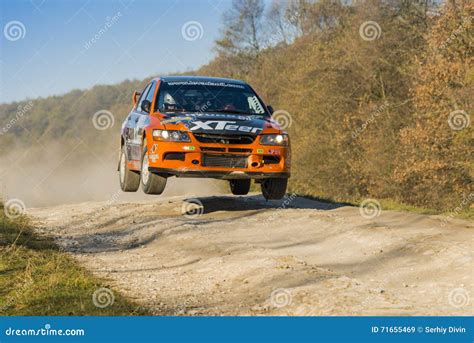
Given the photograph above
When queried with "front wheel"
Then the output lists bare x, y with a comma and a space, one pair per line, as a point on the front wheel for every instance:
240, 187
151, 183
274, 189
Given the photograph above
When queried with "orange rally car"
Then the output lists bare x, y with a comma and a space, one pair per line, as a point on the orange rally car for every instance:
187, 126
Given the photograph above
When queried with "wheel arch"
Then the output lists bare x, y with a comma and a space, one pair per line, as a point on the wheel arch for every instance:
144, 138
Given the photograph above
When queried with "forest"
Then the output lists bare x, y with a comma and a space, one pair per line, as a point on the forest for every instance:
376, 97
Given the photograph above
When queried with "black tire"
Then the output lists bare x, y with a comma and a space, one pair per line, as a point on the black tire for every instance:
240, 187
274, 189
129, 180
151, 183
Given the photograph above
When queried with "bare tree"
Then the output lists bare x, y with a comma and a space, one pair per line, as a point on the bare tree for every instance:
242, 28
276, 19
297, 13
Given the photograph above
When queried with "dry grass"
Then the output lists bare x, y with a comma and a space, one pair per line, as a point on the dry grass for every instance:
36, 278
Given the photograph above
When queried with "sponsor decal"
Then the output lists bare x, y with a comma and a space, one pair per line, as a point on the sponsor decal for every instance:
222, 115
189, 147
193, 116
153, 157
176, 119
153, 148
274, 152
205, 83
259, 151
222, 125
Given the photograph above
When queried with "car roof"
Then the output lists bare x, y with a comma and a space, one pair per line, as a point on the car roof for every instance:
199, 79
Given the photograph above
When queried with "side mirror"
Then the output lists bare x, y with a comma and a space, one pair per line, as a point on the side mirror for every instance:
135, 97
146, 105
270, 109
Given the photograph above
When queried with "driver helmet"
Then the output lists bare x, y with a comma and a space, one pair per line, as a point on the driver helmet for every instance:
168, 99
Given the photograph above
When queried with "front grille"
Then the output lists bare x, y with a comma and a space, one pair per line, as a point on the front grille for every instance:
226, 161
205, 148
239, 150
224, 139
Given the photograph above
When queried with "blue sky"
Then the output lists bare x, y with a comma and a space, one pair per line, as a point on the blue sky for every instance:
50, 47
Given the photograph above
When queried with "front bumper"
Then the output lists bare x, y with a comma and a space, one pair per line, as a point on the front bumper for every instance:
216, 174
197, 159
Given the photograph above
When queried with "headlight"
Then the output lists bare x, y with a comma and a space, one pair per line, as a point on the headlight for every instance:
171, 136
274, 140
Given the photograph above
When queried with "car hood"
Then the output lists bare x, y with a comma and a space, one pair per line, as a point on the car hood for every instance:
219, 123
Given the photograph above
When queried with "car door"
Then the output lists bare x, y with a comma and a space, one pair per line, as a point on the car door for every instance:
143, 119
134, 126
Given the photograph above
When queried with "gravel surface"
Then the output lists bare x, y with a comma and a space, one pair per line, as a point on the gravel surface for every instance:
246, 256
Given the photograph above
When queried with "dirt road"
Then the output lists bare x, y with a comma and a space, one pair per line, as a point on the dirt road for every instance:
245, 256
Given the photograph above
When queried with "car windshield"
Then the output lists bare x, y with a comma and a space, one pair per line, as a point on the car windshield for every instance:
208, 96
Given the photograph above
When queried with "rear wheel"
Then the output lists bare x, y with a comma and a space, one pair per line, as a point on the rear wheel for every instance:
129, 180
240, 187
151, 183
274, 189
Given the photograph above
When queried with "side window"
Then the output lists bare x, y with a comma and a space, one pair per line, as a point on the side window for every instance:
160, 97
143, 97
150, 94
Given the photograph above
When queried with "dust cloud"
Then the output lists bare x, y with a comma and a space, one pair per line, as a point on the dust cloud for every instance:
54, 174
